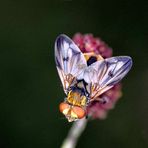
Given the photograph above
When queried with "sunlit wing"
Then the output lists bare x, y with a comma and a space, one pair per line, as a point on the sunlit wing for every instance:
70, 61
104, 74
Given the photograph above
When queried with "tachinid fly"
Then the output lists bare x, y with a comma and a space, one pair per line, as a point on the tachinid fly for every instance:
85, 76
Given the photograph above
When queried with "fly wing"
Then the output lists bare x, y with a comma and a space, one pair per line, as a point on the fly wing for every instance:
104, 74
70, 61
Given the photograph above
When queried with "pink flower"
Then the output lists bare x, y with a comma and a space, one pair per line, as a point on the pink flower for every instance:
99, 110
88, 43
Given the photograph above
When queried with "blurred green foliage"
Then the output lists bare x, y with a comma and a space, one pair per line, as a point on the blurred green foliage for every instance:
30, 89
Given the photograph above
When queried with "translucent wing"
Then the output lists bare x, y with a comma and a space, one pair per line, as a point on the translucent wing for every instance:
104, 74
70, 61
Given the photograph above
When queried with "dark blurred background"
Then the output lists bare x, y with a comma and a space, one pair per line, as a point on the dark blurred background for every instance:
31, 91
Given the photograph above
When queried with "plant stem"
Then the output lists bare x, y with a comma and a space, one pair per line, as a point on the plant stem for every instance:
75, 132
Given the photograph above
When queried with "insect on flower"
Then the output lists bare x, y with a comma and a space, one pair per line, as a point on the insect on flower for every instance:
85, 76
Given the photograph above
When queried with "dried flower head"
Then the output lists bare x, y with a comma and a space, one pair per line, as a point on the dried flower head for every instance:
88, 43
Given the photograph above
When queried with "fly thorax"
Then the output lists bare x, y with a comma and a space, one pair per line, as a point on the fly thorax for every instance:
76, 98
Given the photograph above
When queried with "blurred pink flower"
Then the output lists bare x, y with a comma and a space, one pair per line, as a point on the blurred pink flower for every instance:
88, 43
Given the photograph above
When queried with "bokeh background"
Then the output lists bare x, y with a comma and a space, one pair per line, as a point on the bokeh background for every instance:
30, 89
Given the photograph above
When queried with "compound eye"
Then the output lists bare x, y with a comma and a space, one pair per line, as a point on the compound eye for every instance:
63, 107
80, 112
